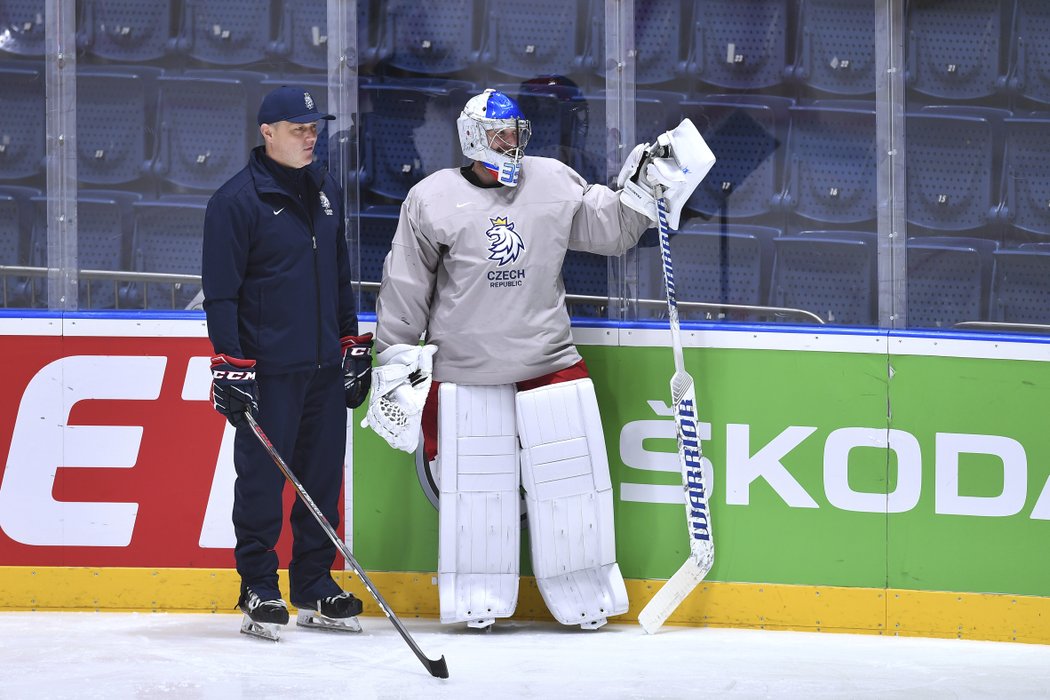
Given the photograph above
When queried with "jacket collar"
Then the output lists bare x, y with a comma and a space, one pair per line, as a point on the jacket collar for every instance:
265, 181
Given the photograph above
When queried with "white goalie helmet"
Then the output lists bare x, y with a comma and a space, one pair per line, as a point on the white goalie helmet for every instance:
493, 130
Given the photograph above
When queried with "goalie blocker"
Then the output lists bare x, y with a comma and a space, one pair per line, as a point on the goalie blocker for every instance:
568, 492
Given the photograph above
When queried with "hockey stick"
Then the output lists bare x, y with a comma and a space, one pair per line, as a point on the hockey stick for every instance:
690, 457
437, 668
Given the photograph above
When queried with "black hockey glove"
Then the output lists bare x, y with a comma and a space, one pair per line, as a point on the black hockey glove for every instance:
233, 389
357, 368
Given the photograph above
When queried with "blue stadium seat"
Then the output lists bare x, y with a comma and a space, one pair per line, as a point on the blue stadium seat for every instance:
1031, 61
738, 44
586, 274
434, 38
831, 273
593, 156
1026, 186
377, 226
835, 52
16, 225
22, 119
168, 238
713, 263
126, 30
950, 171
539, 37
22, 27
546, 104
115, 120
1021, 291
409, 132
949, 279
660, 47
104, 230
745, 132
830, 173
953, 50
226, 32
207, 127
303, 35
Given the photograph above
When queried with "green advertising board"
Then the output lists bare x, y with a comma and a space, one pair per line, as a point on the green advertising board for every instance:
857, 460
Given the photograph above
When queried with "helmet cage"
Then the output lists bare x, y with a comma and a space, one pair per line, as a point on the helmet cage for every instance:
481, 139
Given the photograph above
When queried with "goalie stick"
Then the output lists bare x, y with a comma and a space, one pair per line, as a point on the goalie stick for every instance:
437, 668
686, 419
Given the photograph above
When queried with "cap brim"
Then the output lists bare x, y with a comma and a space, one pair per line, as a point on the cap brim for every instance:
309, 117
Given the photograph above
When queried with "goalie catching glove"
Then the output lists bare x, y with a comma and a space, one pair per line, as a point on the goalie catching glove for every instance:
400, 386
677, 162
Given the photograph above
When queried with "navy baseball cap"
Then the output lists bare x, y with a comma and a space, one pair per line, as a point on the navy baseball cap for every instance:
289, 104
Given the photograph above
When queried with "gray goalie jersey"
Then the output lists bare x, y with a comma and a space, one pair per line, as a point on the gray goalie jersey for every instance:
477, 271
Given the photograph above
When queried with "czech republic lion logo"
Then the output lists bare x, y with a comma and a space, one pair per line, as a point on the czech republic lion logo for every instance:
505, 245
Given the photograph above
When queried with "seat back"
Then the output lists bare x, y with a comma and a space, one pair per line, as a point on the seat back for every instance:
126, 30
836, 47
23, 28
830, 174
1032, 26
593, 156
169, 237
433, 38
949, 279
226, 32
409, 132
954, 50
1021, 291
738, 44
713, 263
377, 225
539, 37
950, 170
746, 134
207, 128
21, 122
831, 273
661, 46
115, 113
1026, 186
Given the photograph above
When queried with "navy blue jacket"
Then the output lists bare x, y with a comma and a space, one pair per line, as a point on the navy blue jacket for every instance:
276, 279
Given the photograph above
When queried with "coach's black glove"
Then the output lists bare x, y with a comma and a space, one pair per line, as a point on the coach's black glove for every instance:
357, 368
233, 388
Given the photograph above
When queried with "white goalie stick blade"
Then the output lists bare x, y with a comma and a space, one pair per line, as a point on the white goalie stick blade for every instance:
670, 596
690, 458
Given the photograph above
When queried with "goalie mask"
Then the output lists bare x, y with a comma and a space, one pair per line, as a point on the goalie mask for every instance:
493, 130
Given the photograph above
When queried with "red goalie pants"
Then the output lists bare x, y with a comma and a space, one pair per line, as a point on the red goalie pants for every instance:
430, 411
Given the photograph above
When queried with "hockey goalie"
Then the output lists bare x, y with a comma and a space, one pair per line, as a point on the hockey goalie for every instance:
497, 390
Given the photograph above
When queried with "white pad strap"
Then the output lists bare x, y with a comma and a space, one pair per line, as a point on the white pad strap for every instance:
678, 162
479, 518
400, 386
568, 492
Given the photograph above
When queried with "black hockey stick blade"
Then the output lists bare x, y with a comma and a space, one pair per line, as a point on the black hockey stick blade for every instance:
437, 667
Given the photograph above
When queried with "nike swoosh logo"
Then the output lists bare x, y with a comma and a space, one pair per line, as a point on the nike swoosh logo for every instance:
462, 205
278, 211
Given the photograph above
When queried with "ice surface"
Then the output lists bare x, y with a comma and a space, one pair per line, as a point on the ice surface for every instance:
140, 655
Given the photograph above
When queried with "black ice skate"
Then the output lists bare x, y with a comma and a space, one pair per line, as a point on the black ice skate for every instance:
337, 612
262, 618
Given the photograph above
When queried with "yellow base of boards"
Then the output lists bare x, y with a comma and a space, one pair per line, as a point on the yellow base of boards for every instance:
985, 616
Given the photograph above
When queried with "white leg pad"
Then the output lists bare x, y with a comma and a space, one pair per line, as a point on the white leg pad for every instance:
479, 514
568, 494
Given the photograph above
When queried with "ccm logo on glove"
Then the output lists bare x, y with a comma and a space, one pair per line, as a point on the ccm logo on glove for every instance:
357, 368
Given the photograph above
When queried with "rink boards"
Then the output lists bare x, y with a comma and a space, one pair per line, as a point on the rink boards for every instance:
862, 481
